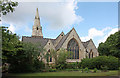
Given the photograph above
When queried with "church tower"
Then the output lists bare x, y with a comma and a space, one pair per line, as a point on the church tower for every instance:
37, 28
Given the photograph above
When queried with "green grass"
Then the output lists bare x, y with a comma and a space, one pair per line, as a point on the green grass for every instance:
68, 73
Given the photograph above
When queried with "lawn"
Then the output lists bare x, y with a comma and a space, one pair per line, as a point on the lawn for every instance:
68, 73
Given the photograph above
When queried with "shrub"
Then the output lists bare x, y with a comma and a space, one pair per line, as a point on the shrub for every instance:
61, 66
95, 70
96, 62
38, 65
86, 70
104, 68
52, 70
72, 69
72, 65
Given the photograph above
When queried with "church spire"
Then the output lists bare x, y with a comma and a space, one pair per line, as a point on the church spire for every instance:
37, 28
37, 19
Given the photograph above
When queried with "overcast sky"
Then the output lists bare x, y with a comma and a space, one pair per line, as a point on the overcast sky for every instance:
95, 19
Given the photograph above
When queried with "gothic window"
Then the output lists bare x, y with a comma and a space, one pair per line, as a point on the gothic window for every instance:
49, 57
73, 48
91, 54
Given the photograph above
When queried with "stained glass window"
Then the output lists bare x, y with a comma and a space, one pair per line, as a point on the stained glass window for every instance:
74, 48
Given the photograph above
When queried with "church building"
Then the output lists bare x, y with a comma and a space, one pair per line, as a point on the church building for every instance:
70, 41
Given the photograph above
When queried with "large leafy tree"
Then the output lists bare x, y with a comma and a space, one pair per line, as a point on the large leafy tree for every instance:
22, 57
111, 46
60, 56
7, 6
9, 43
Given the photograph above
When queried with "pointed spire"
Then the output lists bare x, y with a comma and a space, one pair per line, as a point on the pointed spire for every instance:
37, 28
37, 19
37, 14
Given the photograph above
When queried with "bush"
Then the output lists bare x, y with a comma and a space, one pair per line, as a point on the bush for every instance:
38, 65
104, 68
72, 65
95, 70
52, 70
86, 70
61, 66
72, 69
96, 62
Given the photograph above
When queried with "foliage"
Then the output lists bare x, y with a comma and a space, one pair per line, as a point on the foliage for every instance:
21, 57
119, 68
104, 68
10, 44
95, 70
96, 62
38, 65
7, 6
72, 69
73, 65
60, 58
54, 54
111, 46
52, 70
86, 70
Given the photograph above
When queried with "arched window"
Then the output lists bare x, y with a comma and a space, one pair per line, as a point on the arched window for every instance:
74, 48
49, 57
91, 54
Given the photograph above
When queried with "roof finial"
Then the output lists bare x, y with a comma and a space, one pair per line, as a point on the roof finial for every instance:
37, 14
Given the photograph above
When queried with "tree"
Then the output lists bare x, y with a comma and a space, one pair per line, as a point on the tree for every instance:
7, 6
9, 41
111, 46
60, 57
21, 57
27, 59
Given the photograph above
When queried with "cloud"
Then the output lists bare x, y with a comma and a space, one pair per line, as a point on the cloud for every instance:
107, 35
99, 35
56, 14
12, 28
93, 32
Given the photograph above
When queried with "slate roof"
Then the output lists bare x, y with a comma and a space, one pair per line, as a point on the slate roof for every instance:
42, 41
86, 43
62, 41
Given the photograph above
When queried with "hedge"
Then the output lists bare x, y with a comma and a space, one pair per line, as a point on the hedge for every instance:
101, 61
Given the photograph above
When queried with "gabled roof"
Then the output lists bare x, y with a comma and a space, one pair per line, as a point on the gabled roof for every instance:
60, 34
34, 40
62, 40
86, 43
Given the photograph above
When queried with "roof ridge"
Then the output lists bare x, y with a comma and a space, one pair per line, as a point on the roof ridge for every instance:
63, 38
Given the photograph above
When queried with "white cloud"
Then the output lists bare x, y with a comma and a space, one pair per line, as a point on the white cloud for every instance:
103, 34
12, 28
107, 35
56, 14
93, 32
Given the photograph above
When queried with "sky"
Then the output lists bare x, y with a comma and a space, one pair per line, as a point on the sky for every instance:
94, 20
